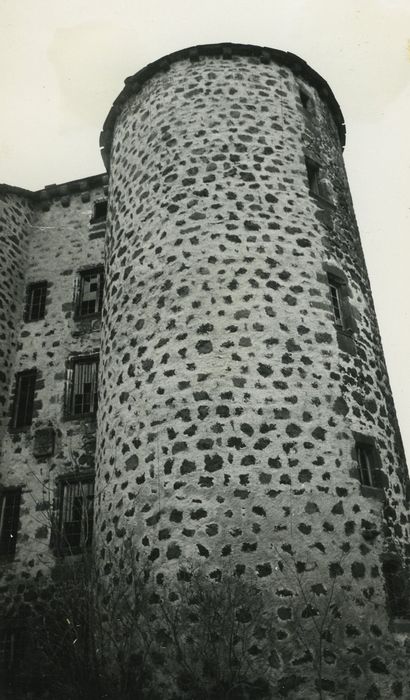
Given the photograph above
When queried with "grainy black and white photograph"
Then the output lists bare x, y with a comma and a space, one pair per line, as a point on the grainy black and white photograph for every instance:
204, 350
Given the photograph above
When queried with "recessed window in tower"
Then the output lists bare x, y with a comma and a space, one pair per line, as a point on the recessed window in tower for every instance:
369, 463
307, 102
35, 301
336, 286
365, 460
314, 173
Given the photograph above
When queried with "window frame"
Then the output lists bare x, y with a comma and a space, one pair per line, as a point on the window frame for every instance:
27, 419
366, 445
72, 363
338, 300
8, 537
60, 541
79, 292
28, 309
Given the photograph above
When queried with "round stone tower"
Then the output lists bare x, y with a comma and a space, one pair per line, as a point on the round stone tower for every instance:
245, 407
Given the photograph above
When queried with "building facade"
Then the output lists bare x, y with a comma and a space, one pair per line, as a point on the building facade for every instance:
211, 290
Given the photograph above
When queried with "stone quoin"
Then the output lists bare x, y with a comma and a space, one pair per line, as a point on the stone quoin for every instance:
244, 406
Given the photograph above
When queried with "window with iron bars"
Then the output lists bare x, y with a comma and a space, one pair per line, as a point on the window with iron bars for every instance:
9, 521
76, 508
35, 308
89, 293
24, 398
82, 386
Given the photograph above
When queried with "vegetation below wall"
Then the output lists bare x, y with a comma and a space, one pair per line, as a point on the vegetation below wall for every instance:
200, 638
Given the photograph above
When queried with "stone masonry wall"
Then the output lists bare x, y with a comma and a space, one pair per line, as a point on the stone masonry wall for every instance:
229, 401
15, 216
61, 242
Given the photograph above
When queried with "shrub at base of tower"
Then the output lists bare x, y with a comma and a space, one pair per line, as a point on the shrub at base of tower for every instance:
205, 636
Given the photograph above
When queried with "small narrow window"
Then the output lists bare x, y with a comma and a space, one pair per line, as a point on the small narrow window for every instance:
369, 464
365, 462
335, 286
35, 301
9, 521
83, 390
397, 589
76, 513
306, 100
90, 292
24, 398
99, 211
313, 171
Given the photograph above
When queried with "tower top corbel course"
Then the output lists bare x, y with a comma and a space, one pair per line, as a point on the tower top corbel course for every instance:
226, 50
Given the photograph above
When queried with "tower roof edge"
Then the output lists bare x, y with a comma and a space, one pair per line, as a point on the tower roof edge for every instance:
134, 83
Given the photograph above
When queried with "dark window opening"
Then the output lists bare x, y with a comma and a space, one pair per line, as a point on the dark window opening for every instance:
83, 386
342, 315
338, 289
368, 462
76, 513
99, 211
313, 171
11, 649
306, 100
35, 301
90, 293
24, 398
9, 521
397, 588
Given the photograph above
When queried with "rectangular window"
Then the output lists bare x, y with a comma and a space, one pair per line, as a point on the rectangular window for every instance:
90, 292
365, 462
313, 174
83, 378
24, 398
369, 464
35, 301
335, 286
76, 513
99, 211
9, 521
306, 101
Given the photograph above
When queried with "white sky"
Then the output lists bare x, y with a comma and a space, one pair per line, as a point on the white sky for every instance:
64, 61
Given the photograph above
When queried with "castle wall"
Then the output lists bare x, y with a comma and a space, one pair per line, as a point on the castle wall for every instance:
229, 401
61, 242
15, 216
